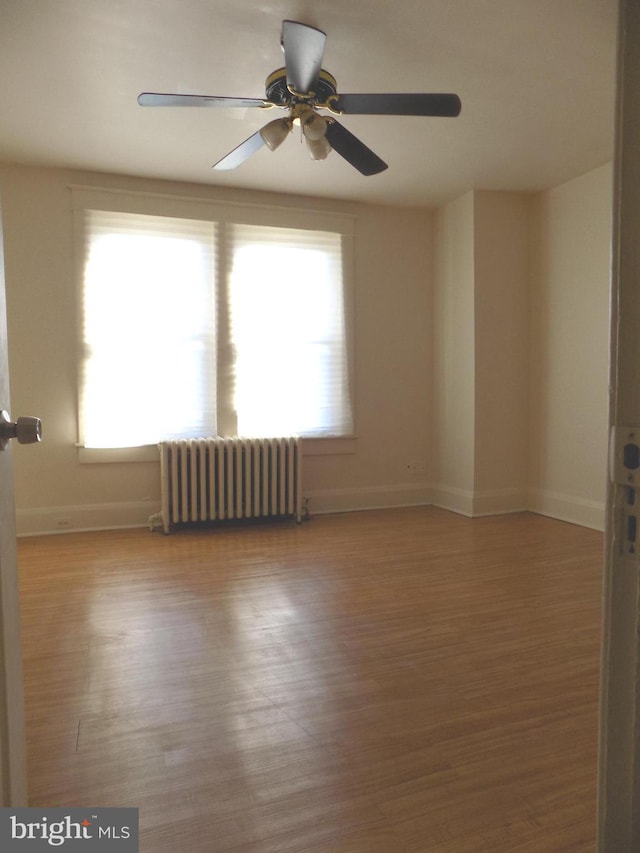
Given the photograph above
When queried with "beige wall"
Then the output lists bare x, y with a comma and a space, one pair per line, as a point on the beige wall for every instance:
502, 271
570, 346
391, 359
453, 446
481, 342
521, 295
481, 353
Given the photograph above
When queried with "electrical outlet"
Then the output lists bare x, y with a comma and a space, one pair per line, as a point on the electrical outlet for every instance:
417, 467
64, 523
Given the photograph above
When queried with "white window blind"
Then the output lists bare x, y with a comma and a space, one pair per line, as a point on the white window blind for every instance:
200, 318
148, 329
286, 304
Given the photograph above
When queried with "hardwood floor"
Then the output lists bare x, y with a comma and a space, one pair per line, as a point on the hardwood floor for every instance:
376, 682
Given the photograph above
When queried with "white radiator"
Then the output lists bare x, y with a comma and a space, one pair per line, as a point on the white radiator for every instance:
211, 479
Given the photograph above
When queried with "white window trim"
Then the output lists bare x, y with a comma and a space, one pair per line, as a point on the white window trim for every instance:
188, 207
340, 445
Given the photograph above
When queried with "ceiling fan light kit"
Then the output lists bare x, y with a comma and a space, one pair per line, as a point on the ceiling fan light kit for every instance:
302, 88
319, 149
275, 133
314, 126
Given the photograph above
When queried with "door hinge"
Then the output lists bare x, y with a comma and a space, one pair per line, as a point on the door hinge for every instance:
624, 471
624, 456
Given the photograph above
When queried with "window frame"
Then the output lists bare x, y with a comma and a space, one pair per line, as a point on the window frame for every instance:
222, 213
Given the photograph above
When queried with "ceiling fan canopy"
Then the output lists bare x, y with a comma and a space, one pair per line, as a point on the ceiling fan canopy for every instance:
303, 88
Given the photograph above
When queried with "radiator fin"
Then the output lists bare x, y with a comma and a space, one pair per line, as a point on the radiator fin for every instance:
214, 479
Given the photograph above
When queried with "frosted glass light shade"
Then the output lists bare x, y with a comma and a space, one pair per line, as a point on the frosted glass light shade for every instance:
319, 149
314, 126
275, 133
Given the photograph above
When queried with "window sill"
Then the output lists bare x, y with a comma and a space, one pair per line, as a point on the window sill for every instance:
91, 455
337, 446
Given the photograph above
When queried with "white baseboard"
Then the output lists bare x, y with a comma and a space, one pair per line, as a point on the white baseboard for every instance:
113, 516
453, 499
68, 519
477, 504
501, 501
368, 497
569, 508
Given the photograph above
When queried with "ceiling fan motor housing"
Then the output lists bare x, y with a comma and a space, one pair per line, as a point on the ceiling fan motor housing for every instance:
277, 91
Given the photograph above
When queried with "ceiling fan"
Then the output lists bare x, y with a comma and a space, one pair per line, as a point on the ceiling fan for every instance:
302, 88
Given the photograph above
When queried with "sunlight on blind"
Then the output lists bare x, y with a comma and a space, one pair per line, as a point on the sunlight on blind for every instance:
149, 329
288, 332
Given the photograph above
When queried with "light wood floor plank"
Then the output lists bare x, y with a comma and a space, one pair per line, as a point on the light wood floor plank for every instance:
401, 680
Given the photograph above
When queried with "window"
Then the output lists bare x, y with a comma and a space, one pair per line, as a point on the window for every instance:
149, 330
206, 325
287, 332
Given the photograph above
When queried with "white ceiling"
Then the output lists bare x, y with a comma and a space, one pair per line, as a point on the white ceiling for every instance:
536, 79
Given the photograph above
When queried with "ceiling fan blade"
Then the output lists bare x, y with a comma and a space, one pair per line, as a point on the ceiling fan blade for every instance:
303, 48
353, 150
399, 105
155, 99
240, 153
